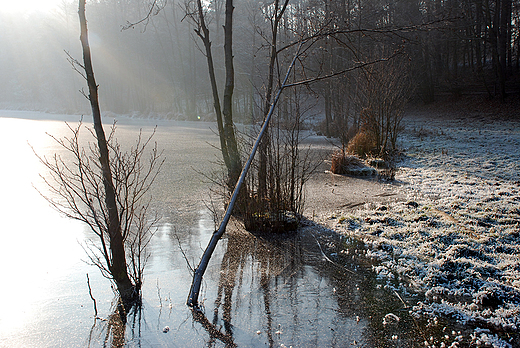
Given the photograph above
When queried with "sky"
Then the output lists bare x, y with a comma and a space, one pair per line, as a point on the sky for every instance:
25, 6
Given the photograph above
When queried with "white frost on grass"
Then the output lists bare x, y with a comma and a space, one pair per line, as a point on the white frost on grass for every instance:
457, 237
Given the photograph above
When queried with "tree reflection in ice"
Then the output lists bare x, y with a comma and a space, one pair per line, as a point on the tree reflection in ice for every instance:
268, 294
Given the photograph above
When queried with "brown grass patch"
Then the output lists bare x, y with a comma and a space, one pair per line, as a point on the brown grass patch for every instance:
341, 163
362, 144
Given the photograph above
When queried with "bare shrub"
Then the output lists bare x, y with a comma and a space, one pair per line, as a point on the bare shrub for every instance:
288, 165
385, 90
343, 163
76, 191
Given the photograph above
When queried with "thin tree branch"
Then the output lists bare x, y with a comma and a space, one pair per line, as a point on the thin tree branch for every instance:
146, 19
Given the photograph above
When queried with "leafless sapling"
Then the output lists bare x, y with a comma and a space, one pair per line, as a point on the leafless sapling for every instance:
106, 188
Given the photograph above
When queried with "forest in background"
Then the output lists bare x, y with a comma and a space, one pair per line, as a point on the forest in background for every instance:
444, 47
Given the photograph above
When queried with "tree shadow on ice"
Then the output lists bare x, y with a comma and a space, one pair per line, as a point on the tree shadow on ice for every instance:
310, 288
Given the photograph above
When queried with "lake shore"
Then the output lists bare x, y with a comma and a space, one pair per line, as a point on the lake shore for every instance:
449, 227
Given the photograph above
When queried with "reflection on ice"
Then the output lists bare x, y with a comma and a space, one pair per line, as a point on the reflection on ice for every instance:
258, 290
271, 291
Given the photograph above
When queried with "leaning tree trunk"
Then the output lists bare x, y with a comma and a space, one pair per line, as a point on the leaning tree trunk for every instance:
117, 266
193, 297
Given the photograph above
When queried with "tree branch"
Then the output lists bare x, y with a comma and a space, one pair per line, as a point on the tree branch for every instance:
146, 19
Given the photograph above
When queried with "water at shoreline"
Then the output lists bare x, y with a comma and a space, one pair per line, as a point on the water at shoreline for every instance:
257, 291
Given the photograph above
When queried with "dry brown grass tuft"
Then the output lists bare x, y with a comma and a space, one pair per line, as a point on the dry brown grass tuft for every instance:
341, 163
362, 144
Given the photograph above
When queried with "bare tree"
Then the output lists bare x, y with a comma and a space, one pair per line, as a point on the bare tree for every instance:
224, 114
106, 188
77, 191
288, 167
277, 15
203, 264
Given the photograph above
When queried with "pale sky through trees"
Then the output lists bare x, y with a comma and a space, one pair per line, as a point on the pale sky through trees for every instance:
17, 7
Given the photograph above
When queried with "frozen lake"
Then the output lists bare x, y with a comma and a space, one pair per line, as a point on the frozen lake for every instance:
258, 291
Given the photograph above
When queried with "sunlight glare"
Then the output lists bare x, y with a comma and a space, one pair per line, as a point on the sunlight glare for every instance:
28, 6
38, 246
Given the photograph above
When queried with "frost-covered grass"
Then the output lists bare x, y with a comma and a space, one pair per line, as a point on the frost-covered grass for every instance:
456, 237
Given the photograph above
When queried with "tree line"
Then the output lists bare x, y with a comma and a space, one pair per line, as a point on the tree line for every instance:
453, 47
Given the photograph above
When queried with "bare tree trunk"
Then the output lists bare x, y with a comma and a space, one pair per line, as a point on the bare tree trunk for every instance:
503, 43
203, 33
235, 165
224, 114
495, 39
117, 265
328, 113
517, 64
480, 49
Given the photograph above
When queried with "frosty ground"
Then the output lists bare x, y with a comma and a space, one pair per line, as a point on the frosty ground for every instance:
450, 225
